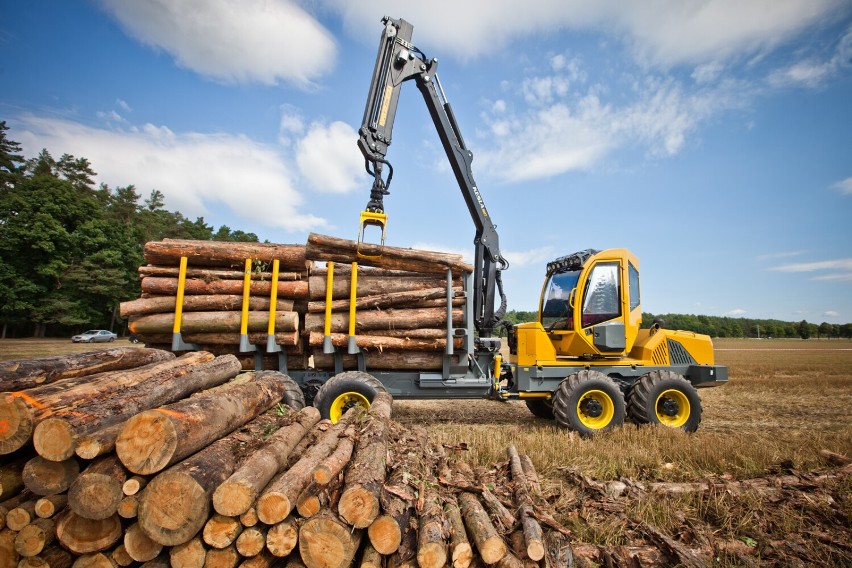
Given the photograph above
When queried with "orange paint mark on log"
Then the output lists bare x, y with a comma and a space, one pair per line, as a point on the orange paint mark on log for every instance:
172, 413
28, 399
4, 425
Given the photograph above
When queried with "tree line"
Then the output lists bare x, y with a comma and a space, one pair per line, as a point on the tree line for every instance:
70, 249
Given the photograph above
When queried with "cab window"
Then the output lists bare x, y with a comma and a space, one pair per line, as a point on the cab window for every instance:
634, 286
555, 306
601, 298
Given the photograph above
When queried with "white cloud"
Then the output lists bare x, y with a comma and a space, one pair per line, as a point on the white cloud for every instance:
329, 159
735, 313
778, 255
813, 72
844, 186
194, 171
831, 313
663, 32
537, 257
265, 41
839, 264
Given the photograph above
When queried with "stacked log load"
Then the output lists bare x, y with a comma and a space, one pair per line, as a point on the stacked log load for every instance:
202, 466
400, 302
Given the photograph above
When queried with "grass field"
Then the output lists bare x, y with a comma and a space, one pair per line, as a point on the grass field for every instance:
786, 401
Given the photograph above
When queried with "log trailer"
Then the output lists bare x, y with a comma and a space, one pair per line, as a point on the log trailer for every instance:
585, 362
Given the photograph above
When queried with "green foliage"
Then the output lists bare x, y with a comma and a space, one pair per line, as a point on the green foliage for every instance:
69, 252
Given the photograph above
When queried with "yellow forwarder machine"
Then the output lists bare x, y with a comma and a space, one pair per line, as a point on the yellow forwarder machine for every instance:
585, 362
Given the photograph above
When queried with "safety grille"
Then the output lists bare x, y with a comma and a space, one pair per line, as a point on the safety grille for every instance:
678, 355
660, 356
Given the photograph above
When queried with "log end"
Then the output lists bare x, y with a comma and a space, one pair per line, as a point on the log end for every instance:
385, 535
535, 550
462, 555
358, 506
273, 507
173, 508
81, 535
324, 543
233, 498
492, 549
54, 439
432, 555
88, 448
282, 539
147, 442
16, 423
95, 496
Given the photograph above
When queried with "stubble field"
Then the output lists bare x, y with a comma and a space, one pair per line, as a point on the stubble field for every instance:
787, 400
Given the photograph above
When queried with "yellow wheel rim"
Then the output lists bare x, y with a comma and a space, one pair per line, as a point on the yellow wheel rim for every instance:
595, 409
672, 408
344, 402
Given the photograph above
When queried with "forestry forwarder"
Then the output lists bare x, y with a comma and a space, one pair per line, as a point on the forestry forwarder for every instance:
585, 362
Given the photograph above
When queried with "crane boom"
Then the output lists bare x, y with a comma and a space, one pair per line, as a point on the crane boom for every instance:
398, 61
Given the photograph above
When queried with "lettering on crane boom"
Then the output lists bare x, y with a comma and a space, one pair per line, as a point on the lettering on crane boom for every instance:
480, 201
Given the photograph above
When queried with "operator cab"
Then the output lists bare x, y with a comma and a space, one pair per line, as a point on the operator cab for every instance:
590, 305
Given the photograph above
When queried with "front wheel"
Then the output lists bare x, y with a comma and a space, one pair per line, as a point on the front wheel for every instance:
343, 391
588, 402
665, 398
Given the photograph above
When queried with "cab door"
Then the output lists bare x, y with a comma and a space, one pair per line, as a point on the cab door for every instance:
602, 308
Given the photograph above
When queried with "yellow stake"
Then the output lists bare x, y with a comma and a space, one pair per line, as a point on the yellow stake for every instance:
179, 299
353, 296
246, 294
329, 282
273, 297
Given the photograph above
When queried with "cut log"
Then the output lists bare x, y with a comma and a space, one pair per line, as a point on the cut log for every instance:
219, 253
52, 557
176, 503
128, 507
161, 561
56, 438
386, 360
328, 468
372, 320
317, 339
21, 411
480, 529
532, 530
96, 493
371, 284
281, 539
222, 557
14, 502
326, 248
431, 547
98, 443
8, 555
213, 322
359, 503
251, 541
11, 476
221, 531
190, 554
461, 553
317, 497
154, 439
325, 541
263, 560
45, 477
217, 274
279, 497
283, 338
48, 506
382, 301
294, 290
24, 374
138, 546
370, 557
200, 303
249, 518
21, 515
81, 535
120, 557
35, 537
94, 560
134, 485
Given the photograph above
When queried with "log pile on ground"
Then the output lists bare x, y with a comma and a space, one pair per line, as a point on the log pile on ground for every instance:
401, 301
221, 475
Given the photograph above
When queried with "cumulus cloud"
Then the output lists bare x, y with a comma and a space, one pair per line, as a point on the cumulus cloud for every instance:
264, 41
329, 159
195, 171
661, 32
831, 314
536, 257
735, 313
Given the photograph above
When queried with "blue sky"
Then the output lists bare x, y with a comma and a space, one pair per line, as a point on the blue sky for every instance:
713, 138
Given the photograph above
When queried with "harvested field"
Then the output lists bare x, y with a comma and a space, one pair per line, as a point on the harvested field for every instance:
751, 487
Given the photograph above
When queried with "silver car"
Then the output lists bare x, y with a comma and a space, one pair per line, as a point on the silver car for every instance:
94, 336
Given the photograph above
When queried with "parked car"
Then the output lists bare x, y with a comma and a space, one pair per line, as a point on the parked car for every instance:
94, 336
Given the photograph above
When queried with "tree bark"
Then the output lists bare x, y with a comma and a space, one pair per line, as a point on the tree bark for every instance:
200, 303
489, 544
98, 443
283, 338
373, 320
317, 339
239, 491
213, 322
11, 480
294, 290
359, 503
532, 530
219, 253
21, 411
326, 248
381, 301
325, 541
431, 547
372, 285
28, 373
81, 535
155, 439
56, 438
218, 274
96, 493
461, 553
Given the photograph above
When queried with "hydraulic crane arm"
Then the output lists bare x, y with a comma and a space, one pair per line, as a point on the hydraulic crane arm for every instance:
399, 61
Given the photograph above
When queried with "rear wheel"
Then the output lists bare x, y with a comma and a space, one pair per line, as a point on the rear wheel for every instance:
541, 407
666, 398
588, 402
343, 391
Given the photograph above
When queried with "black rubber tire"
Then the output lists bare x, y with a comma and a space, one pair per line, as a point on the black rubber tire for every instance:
583, 387
647, 394
293, 395
339, 385
541, 407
